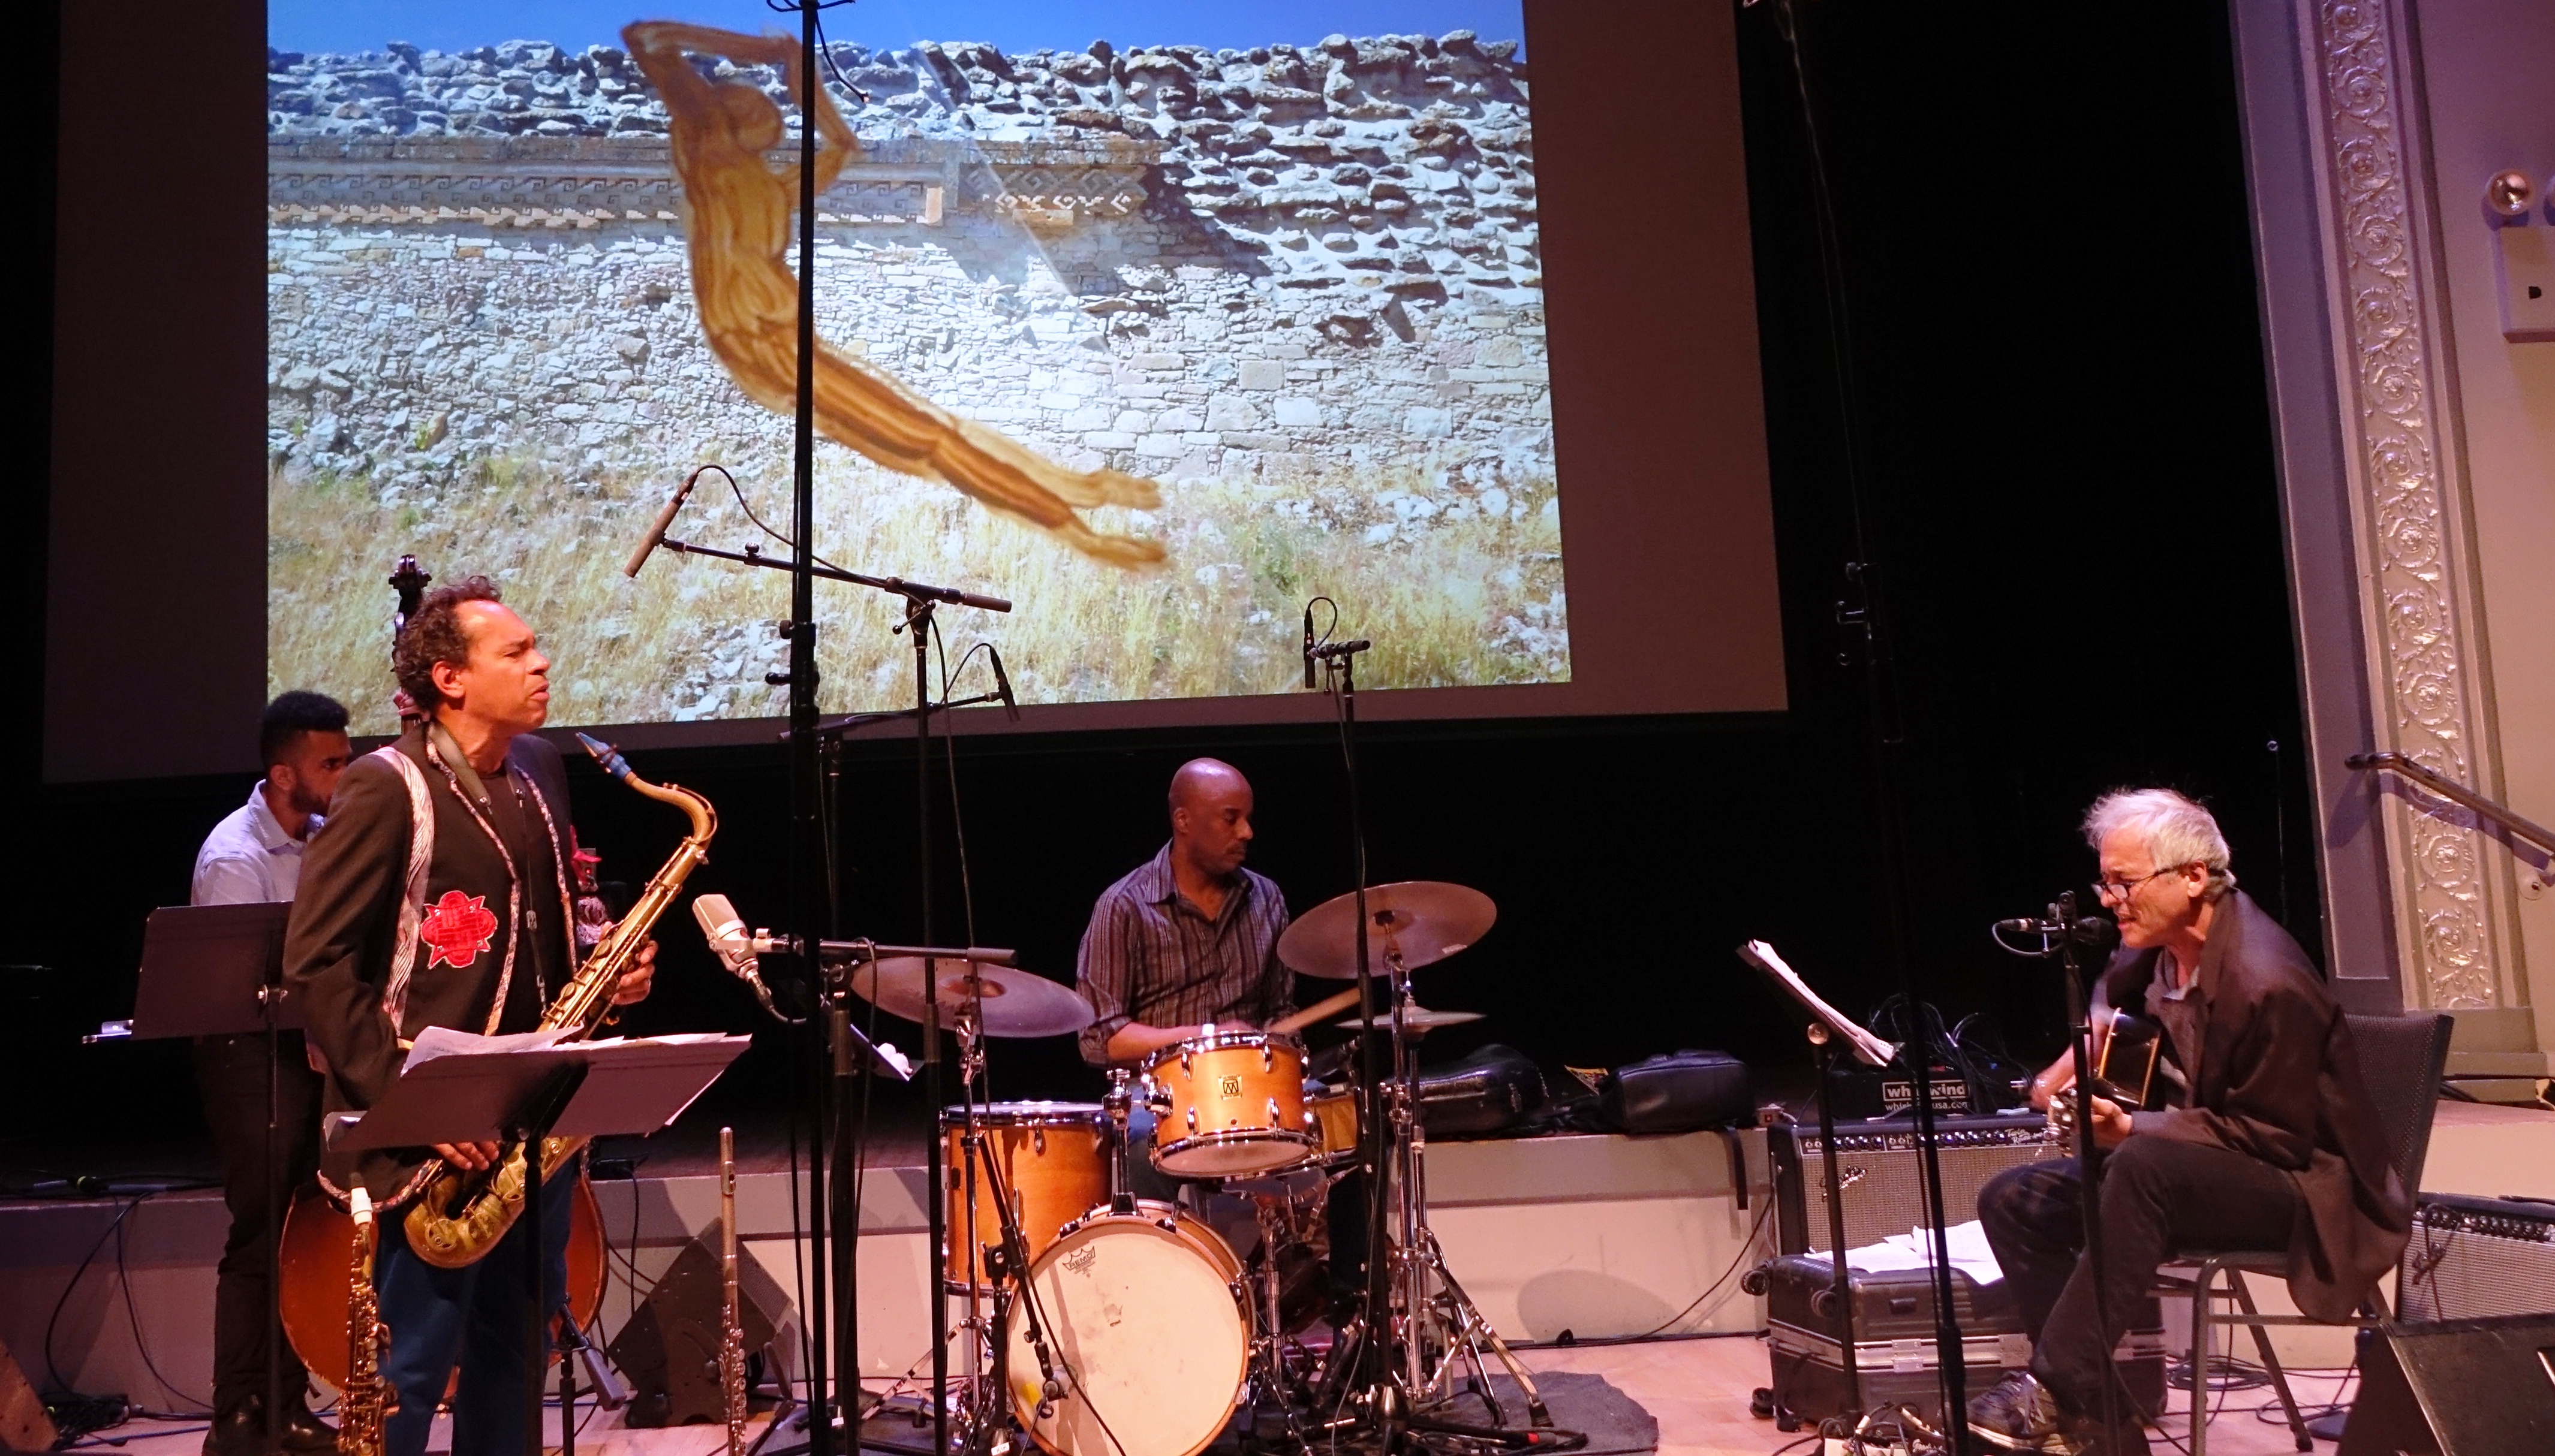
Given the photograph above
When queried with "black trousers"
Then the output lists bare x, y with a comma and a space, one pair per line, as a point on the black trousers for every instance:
2157, 1193
230, 1075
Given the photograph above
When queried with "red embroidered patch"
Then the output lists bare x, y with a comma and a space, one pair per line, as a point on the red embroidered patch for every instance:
458, 928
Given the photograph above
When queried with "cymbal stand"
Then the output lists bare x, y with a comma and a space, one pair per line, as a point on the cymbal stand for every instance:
1437, 1323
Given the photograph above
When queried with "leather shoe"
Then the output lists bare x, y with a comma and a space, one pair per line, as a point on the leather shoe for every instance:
241, 1431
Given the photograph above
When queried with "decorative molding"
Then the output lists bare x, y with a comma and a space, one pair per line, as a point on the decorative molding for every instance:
2415, 559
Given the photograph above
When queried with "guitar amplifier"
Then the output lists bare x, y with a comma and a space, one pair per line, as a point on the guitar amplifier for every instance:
2474, 1257
1881, 1177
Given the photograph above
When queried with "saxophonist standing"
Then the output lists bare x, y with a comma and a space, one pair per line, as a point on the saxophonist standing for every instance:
437, 895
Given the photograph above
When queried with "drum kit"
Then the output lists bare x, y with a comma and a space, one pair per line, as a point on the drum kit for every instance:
1105, 1324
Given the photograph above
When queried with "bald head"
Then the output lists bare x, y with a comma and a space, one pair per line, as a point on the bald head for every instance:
1210, 816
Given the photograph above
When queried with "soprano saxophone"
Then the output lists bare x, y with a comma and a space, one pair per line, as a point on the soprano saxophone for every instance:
367, 1398
731, 1357
461, 1215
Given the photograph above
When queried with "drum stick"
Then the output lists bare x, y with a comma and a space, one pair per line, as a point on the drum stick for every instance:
1316, 1012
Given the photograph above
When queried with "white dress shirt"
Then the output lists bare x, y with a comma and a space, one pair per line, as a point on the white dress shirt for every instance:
248, 857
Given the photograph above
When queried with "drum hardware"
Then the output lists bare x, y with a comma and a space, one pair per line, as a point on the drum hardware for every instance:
1408, 1344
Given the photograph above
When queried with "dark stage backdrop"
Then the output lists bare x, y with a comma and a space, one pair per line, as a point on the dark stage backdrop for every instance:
2073, 495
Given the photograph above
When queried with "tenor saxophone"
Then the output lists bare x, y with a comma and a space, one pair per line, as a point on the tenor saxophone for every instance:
367, 1398
461, 1214
731, 1358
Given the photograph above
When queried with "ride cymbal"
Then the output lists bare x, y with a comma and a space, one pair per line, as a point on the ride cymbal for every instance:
1012, 1001
1416, 922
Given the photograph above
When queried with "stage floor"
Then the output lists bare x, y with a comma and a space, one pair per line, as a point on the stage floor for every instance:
1696, 1388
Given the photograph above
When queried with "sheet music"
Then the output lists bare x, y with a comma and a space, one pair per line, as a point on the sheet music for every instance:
436, 1041
1862, 1043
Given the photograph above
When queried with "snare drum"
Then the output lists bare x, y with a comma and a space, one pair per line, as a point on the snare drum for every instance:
1144, 1313
1227, 1103
1053, 1161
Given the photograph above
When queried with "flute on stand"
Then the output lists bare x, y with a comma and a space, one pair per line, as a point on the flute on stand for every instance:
731, 1358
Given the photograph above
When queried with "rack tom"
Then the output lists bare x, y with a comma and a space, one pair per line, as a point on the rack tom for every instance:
1049, 1157
1229, 1103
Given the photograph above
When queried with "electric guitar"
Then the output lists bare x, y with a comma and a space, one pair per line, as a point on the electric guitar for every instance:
2123, 1071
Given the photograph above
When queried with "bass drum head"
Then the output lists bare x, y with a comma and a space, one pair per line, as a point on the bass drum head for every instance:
1146, 1336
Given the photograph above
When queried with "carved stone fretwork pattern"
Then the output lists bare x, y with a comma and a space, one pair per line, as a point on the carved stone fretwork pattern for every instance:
2411, 540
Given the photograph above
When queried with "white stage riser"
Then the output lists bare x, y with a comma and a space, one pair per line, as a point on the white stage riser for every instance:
1598, 1236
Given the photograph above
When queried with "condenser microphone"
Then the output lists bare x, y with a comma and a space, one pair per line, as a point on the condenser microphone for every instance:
738, 948
657, 528
1003, 681
1308, 645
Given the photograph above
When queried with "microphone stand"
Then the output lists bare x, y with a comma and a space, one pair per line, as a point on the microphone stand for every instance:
2061, 924
1372, 1367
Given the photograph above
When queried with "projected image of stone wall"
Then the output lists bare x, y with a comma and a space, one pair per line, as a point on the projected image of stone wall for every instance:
1296, 287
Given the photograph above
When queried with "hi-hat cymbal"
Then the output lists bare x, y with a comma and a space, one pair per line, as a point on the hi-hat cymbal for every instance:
1415, 921
1013, 1002
1416, 1020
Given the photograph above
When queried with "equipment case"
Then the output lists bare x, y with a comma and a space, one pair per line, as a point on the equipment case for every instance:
1894, 1355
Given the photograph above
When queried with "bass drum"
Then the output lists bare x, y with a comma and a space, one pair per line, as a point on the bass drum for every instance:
1148, 1329
319, 1244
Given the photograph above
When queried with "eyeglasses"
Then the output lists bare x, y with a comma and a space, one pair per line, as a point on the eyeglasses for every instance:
2122, 890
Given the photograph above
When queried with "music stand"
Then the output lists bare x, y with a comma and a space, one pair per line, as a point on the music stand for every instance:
1829, 1026
499, 1092
217, 970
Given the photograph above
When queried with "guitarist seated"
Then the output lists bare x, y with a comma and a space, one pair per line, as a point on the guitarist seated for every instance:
2265, 1137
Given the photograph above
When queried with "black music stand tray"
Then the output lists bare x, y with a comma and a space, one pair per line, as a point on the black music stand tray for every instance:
211, 970
217, 970
576, 1089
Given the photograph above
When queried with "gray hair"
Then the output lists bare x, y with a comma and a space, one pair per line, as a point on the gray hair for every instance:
2176, 831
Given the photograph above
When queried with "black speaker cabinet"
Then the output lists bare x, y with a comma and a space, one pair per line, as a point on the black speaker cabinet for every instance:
2458, 1387
669, 1349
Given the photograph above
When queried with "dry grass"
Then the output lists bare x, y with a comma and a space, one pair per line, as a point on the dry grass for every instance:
1448, 601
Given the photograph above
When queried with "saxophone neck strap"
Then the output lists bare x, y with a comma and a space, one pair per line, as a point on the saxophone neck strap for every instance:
445, 748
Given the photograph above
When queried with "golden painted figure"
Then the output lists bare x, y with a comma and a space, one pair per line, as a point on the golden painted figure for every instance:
740, 237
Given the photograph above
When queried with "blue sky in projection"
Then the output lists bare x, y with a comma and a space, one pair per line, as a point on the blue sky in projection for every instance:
1010, 25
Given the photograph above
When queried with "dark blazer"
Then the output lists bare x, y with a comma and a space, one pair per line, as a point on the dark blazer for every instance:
338, 946
2275, 1077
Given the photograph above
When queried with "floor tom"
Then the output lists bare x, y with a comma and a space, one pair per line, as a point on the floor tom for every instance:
1052, 1161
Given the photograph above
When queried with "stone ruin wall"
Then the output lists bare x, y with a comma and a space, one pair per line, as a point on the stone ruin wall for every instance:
1314, 268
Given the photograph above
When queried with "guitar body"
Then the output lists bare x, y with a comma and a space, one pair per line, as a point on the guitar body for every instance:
2125, 1052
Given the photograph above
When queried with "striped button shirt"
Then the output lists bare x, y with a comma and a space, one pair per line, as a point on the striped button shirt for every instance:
1153, 957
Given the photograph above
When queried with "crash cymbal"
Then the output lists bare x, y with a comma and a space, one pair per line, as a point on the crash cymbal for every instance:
1422, 920
1015, 1002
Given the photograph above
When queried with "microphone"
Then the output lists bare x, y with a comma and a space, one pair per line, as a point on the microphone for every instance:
729, 941
1308, 645
657, 528
1003, 681
2086, 929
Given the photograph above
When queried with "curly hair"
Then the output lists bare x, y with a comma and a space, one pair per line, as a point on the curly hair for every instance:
291, 715
435, 634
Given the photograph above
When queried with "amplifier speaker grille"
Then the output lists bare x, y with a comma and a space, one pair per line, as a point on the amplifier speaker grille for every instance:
2474, 1258
1883, 1176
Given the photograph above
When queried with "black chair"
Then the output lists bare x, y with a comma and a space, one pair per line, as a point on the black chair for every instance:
2400, 1063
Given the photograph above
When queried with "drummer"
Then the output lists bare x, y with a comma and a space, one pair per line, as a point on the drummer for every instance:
1186, 939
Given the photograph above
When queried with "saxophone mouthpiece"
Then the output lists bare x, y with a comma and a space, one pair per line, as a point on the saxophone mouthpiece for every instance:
606, 755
